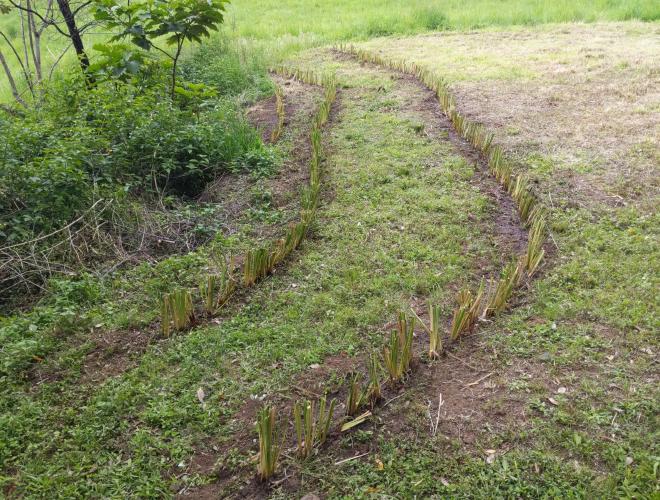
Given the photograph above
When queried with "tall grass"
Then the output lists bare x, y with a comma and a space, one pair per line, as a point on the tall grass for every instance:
281, 116
290, 21
504, 287
312, 429
433, 329
355, 396
177, 311
535, 251
467, 313
374, 391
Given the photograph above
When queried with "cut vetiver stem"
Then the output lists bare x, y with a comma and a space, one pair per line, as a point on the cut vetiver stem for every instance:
269, 449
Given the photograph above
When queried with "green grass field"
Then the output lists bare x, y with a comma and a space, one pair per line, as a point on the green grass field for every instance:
557, 397
280, 28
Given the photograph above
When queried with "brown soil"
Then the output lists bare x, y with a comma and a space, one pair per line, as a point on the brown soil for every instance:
232, 191
115, 353
473, 387
263, 116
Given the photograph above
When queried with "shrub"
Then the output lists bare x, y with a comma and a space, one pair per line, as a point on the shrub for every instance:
82, 141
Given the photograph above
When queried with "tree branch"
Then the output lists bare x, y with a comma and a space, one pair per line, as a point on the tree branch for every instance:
10, 77
80, 7
20, 61
54, 65
49, 22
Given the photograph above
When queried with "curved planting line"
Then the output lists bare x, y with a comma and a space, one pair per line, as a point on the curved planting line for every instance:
178, 308
472, 306
531, 211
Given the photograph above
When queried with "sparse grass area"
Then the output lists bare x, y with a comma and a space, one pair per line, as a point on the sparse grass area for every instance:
568, 119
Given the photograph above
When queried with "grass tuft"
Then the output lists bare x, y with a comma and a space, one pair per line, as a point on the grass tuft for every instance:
269, 450
312, 431
216, 289
279, 107
505, 287
374, 391
177, 311
467, 313
535, 251
433, 329
398, 353
356, 395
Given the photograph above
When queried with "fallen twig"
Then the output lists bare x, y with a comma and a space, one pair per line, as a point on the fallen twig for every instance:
434, 425
351, 458
394, 398
479, 380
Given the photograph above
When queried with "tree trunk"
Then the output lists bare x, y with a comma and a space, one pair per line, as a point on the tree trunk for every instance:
10, 77
35, 44
24, 39
76, 39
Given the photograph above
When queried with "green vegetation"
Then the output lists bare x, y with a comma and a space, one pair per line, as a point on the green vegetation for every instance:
312, 430
322, 293
356, 395
177, 309
468, 311
292, 23
138, 200
398, 352
269, 449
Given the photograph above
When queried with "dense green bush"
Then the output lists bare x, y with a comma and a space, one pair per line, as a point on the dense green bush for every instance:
230, 67
82, 143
